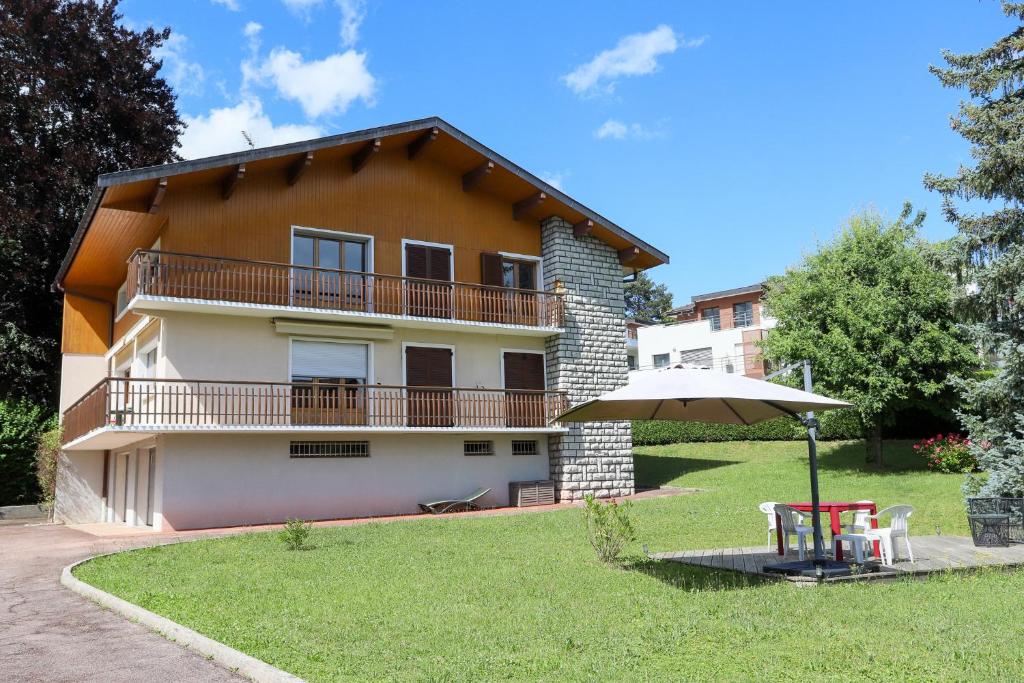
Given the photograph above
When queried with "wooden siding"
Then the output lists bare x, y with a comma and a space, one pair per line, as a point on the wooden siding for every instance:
86, 327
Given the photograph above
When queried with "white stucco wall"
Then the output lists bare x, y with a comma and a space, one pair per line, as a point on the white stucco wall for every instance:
218, 480
78, 373
79, 487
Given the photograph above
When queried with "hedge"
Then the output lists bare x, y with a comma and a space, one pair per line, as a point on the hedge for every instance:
21, 423
835, 425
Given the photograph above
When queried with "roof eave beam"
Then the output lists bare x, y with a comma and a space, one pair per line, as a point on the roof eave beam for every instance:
363, 156
524, 206
231, 182
158, 195
471, 179
297, 169
628, 255
420, 143
583, 228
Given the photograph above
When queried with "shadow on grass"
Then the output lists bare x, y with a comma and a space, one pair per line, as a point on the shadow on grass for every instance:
658, 470
690, 578
898, 457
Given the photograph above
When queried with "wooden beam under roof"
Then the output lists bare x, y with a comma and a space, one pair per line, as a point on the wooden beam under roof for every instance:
420, 143
520, 208
231, 182
473, 178
362, 157
583, 228
300, 166
628, 255
158, 195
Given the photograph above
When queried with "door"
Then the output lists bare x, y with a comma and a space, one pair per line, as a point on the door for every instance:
429, 367
329, 383
510, 294
524, 385
428, 289
150, 484
335, 277
121, 487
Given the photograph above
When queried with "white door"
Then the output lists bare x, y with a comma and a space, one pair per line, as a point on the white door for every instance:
144, 487
120, 487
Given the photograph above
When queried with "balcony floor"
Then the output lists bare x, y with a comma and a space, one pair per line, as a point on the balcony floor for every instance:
155, 305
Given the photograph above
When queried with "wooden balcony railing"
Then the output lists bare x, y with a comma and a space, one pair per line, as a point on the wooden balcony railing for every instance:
157, 403
190, 276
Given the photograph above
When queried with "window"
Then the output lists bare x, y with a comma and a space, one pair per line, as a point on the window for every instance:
330, 287
525, 447
329, 379
517, 274
660, 360
428, 292
147, 362
122, 300
478, 448
714, 316
631, 362
743, 314
700, 357
329, 449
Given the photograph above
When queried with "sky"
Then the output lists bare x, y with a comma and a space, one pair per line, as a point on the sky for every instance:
732, 136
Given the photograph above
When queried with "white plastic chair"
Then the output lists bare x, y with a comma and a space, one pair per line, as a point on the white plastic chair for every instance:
861, 523
769, 509
793, 525
898, 528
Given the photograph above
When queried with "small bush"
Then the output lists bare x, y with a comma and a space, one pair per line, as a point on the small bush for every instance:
21, 422
47, 462
609, 528
295, 533
949, 453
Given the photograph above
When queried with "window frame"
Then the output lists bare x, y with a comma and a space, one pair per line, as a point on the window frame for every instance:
656, 356
750, 319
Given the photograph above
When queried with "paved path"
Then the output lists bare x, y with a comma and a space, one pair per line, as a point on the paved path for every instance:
48, 633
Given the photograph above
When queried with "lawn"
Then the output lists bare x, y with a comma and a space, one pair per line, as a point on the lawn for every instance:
523, 597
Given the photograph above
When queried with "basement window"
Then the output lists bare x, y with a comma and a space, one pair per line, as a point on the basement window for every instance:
524, 447
478, 448
329, 449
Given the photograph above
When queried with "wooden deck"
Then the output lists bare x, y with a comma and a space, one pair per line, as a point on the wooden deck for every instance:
931, 554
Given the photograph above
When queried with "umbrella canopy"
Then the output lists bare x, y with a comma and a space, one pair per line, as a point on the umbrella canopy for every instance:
698, 396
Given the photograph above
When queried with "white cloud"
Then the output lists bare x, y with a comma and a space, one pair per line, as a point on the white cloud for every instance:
555, 178
325, 86
352, 14
633, 55
184, 76
617, 130
228, 4
220, 131
302, 8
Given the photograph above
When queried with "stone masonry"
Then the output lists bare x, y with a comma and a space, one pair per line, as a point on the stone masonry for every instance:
587, 360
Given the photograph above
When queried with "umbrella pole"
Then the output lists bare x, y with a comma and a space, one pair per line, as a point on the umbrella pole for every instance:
812, 453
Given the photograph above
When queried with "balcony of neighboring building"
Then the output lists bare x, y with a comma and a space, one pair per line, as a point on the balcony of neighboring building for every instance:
170, 281
118, 411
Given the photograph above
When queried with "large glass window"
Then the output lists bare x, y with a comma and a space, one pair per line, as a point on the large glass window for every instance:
660, 360
714, 316
329, 288
743, 314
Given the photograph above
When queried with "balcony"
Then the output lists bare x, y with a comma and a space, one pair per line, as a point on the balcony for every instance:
118, 411
161, 280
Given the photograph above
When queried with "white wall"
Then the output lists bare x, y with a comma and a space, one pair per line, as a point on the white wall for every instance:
78, 373
223, 480
679, 337
79, 487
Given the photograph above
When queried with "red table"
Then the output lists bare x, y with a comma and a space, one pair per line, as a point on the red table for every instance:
833, 509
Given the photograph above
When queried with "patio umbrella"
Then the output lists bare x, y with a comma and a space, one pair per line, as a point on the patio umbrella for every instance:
691, 395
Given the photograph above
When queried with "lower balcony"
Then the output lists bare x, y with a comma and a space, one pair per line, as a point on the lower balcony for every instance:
120, 411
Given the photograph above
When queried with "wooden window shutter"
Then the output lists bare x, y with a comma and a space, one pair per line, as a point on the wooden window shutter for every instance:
491, 269
524, 371
440, 265
428, 367
416, 260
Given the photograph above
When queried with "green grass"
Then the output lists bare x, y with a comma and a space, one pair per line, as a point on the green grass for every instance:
523, 597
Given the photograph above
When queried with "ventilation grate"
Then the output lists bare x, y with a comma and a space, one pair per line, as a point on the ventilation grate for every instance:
524, 448
478, 448
329, 449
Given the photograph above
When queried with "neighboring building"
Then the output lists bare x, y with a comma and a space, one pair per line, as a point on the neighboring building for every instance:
632, 351
719, 330
341, 327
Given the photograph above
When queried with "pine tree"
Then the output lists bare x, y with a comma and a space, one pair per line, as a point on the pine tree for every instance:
990, 248
647, 300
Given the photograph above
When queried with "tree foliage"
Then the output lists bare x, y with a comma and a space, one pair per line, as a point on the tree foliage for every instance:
647, 300
21, 423
79, 96
990, 247
872, 311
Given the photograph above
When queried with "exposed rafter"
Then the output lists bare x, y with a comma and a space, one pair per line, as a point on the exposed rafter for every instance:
231, 182
363, 156
473, 178
158, 195
628, 255
523, 206
300, 166
583, 228
418, 145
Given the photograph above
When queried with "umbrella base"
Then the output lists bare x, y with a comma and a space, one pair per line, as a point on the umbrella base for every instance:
821, 569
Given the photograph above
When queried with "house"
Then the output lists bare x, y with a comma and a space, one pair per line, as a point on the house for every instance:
632, 349
718, 330
334, 328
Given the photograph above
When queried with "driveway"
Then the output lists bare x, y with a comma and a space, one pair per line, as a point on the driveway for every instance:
48, 633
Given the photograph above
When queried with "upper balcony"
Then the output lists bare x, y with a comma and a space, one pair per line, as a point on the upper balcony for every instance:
119, 411
167, 281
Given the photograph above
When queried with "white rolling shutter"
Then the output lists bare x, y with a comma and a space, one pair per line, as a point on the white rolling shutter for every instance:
327, 359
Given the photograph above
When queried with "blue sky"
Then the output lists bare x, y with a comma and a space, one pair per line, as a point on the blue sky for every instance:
731, 136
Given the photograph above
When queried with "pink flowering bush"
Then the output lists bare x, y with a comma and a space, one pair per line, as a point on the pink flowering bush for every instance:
950, 453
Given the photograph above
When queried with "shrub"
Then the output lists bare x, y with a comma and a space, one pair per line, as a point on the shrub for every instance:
950, 453
47, 462
294, 534
835, 425
21, 422
609, 528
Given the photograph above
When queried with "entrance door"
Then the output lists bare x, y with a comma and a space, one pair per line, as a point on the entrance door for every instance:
524, 382
429, 292
121, 487
429, 367
144, 468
